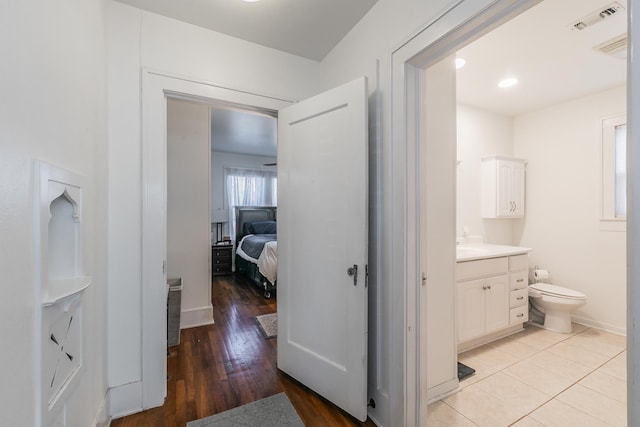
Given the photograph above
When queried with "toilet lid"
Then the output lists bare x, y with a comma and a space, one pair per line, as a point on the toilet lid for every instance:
548, 288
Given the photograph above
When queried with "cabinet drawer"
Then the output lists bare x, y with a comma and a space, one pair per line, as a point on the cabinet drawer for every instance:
519, 315
518, 298
221, 269
221, 253
518, 280
481, 268
518, 262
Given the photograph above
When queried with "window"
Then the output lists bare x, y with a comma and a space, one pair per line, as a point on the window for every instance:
621, 171
249, 187
614, 173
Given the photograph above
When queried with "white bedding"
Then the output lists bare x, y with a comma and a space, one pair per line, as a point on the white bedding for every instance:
267, 262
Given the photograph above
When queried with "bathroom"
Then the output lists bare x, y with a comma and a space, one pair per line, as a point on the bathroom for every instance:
563, 222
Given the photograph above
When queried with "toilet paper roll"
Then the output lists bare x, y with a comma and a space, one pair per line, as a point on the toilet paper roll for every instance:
541, 275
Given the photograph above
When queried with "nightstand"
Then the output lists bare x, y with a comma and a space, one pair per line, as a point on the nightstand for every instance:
221, 259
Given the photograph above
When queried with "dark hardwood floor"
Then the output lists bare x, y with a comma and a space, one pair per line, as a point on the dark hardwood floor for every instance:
228, 364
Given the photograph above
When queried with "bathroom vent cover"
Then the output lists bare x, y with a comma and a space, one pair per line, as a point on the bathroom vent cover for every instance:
616, 47
597, 16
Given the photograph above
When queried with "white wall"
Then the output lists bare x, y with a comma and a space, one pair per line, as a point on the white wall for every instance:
139, 40
188, 223
480, 134
53, 109
561, 144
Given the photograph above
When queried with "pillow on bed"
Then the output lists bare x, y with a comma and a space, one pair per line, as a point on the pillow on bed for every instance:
261, 227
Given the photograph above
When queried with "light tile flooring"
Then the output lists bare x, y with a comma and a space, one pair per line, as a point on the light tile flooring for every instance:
541, 378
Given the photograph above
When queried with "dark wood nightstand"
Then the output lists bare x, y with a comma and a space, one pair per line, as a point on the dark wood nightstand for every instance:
221, 259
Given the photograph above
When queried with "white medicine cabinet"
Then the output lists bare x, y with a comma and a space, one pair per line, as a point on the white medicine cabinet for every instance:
503, 187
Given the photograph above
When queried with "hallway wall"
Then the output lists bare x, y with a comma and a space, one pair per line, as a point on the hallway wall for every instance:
52, 108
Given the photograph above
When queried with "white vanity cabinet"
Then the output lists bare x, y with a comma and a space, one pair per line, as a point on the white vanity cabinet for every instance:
492, 297
503, 187
518, 289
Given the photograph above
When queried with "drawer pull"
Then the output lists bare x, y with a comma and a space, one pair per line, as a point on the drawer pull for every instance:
520, 315
520, 298
520, 280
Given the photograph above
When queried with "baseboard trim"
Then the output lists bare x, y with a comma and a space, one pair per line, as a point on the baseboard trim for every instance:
102, 418
125, 399
200, 316
600, 325
442, 390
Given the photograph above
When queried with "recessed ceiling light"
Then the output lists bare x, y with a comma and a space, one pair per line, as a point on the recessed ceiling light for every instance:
460, 62
511, 81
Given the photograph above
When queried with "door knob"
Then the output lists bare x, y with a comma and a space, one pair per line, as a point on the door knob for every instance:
353, 271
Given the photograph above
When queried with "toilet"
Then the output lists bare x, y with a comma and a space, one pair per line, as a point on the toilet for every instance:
556, 303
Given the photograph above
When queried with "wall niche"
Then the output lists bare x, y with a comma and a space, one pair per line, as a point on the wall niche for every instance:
61, 283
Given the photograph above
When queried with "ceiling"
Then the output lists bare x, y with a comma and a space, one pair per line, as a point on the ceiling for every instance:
551, 62
307, 28
235, 130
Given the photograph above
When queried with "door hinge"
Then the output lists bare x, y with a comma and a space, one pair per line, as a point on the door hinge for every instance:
366, 275
424, 279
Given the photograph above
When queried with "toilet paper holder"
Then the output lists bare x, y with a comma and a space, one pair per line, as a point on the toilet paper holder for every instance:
540, 275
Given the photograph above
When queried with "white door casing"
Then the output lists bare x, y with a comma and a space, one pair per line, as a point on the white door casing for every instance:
323, 232
156, 87
457, 25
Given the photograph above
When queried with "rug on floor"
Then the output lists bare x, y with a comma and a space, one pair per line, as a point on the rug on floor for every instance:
464, 371
268, 324
273, 411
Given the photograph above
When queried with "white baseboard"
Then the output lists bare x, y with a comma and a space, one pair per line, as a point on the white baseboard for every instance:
600, 325
102, 418
443, 390
196, 317
125, 399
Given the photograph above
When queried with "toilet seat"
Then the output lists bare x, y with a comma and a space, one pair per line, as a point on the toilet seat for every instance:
557, 291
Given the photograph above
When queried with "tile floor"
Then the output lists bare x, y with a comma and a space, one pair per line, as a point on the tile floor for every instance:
541, 378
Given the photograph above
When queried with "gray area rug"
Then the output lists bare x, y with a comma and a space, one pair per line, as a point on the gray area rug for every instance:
268, 324
273, 411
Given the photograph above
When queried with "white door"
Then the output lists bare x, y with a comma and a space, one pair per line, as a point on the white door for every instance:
437, 210
322, 235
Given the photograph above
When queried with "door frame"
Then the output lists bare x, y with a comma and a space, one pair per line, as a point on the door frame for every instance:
457, 25
157, 86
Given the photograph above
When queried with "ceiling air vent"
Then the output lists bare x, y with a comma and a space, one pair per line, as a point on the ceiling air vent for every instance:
616, 47
597, 16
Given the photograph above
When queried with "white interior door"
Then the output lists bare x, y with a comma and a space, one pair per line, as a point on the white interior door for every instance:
437, 210
322, 232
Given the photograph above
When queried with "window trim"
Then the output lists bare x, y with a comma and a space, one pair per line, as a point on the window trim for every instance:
608, 219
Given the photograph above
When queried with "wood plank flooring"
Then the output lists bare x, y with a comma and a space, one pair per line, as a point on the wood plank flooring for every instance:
228, 364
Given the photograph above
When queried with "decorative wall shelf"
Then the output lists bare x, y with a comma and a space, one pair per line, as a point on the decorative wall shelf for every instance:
61, 283
59, 290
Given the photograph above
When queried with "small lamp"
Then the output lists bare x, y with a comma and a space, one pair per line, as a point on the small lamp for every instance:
218, 218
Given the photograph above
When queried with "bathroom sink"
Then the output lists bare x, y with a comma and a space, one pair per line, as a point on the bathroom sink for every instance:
466, 252
471, 250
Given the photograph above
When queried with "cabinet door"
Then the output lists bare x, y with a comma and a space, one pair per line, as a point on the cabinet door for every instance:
471, 309
496, 303
504, 186
517, 189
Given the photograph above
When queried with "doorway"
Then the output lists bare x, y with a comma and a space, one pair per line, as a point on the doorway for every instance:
157, 87
422, 52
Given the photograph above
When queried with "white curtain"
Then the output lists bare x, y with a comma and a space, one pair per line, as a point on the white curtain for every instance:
248, 187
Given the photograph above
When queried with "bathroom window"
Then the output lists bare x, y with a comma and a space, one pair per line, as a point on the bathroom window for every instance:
614, 174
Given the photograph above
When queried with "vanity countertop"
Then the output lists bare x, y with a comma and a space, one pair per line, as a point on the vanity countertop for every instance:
474, 251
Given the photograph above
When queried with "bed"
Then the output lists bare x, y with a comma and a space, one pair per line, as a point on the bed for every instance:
256, 246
